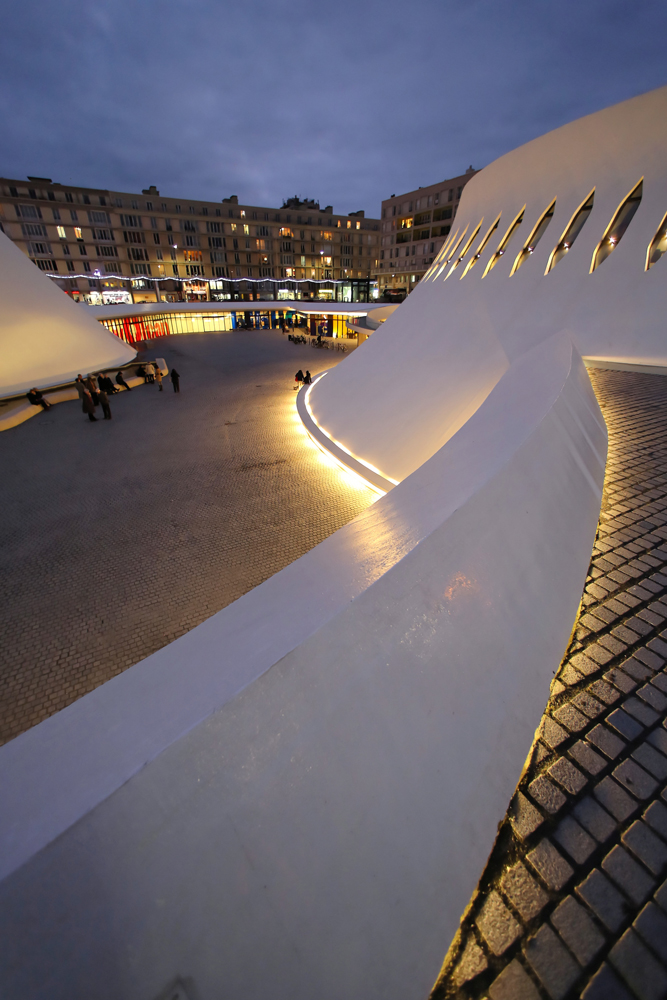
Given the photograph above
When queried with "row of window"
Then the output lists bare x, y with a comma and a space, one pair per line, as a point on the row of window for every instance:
455, 251
406, 207
177, 208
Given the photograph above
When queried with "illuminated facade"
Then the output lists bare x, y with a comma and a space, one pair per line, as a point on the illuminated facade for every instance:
110, 246
414, 227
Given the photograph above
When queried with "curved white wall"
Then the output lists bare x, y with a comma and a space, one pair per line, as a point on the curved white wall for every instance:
45, 338
418, 378
297, 797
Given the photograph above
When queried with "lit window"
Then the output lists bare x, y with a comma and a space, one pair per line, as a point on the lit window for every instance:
327, 261
574, 227
502, 246
358, 226
61, 232
534, 238
233, 225
246, 230
658, 245
480, 249
78, 233
242, 213
617, 226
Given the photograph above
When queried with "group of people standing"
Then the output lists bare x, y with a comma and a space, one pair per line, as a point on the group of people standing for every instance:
92, 394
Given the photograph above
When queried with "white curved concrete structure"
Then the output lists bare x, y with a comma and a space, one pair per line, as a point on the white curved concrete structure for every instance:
297, 797
467, 329
45, 338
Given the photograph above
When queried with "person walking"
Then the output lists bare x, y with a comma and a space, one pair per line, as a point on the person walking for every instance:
121, 381
37, 399
89, 383
150, 372
175, 380
88, 406
298, 378
158, 376
104, 400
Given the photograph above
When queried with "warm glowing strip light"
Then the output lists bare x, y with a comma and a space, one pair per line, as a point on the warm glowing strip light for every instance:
338, 444
197, 278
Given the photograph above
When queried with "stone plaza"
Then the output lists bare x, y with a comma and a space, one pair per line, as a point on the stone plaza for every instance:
118, 538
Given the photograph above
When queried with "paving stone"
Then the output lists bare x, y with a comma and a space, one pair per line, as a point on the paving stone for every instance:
569, 717
604, 691
595, 819
626, 680
569, 675
624, 724
628, 600
604, 899
574, 841
660, 681
513, 983
591, 623
567, 775
496, 924
552, 734
609, 644
659, 647
611, 797
605, 985
596, 592
658, 738
577, 930
656, 817
471, 963
625, 635
524, 817
628, 875
635, 779
646, 846
605, 614
587, 758
550, 865
523, 891
660, 896
651, 925
640, 711
552, 962
587, 704
638, 967
606, 741
587, 665
652, 761
546, 794
649, 658
653, 696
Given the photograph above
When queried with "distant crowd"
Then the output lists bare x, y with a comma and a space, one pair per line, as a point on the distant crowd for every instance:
94, 390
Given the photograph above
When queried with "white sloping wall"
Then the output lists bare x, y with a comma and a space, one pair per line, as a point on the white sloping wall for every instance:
419, 377
296, 798
45, 337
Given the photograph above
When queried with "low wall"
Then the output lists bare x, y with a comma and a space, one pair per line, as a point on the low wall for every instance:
296, 798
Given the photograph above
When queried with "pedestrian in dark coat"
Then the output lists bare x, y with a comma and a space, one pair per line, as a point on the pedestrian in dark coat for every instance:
298, 378
37, 399
88, 406
104, 400
121, 381
174, 380
89, 383
80, 386
307, 380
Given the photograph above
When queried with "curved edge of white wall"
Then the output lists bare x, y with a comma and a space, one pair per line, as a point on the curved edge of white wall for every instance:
46, 339
304, 789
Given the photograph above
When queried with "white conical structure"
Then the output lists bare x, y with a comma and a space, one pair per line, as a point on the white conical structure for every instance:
45, 337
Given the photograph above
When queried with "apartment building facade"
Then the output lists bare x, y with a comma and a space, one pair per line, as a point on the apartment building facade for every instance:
414, 226
111, 246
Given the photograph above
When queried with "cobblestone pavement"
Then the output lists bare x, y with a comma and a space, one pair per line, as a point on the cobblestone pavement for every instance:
573, 901
118, 537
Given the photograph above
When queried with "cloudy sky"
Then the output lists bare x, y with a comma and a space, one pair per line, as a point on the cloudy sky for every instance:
346, 102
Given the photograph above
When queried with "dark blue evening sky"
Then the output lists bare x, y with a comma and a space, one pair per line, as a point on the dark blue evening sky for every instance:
346, 102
